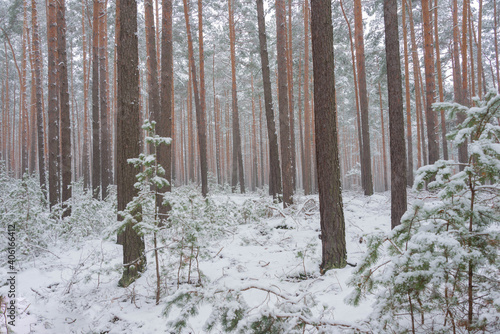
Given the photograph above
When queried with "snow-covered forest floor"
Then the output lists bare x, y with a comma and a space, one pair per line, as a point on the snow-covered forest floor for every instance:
67, 275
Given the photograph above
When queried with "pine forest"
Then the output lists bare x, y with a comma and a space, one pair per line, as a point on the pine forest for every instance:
249, 166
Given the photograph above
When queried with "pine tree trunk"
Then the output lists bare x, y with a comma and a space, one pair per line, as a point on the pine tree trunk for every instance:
416, 79
307, 118
53, 112
366, 173
96, 131
154, 111
496, 44
396, 114
65, 107
237, 153
301, 130
384, 157
290, 96
462, 149
330, 191
409, 140
86, 153
460, 94
33, 129
8, 126
479, 50
472, 83
106, 162
356, 90
190, 130
284, 122
430, 85
201, 120
128, 134
217, 116
23, 108
200, 115
440, 82
274, 162
165, 128
261, 143
39, 96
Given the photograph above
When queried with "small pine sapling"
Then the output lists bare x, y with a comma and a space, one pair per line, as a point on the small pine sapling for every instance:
142, 212
438, 271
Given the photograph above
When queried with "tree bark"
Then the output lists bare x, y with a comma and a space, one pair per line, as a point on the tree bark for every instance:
440, 82
86, 153
409, 140
8, 126
366, 172
65, 107
23, 107
290, 96
416, 79
307, 118
203, 105
105, 138
128, 134
330, 189
430, 85
152, 69
396, 114
255, 166
200, 114
237, 172
165, 121
356, 90
261, 143
479, 50
96, 131
274, 162
39, 97
496, 44
384, 157
53, 105
458, 79
284, 122
301, 130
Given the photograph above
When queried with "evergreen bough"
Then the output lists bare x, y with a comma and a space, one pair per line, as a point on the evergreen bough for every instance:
439, 270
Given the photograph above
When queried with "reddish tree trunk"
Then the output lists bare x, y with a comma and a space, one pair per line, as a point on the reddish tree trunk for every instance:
274, 163
39, 97
200, 114
409, 141
430, 85
53, 112
290, 95
106, 162
96, 131
65, 107
237, 153
366, 173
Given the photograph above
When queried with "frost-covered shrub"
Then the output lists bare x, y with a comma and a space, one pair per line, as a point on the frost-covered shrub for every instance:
24, 205
438, 271
279, 312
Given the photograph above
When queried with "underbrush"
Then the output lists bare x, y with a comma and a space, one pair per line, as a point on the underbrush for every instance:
23, 204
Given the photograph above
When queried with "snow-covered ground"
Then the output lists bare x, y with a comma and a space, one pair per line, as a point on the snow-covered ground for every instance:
72, 287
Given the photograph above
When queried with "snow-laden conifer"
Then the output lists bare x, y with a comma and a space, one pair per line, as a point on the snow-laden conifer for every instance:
438, 271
